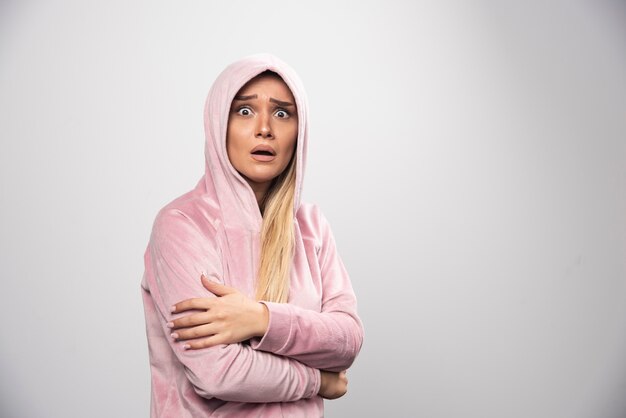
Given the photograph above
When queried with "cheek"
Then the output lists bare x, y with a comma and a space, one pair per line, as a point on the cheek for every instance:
233, 149
292, 134
235, 139
290, 149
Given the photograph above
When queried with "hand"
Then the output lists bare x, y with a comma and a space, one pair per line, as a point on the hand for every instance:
230, 318
334, 385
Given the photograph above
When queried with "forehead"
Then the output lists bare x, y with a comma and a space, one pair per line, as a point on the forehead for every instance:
267, 83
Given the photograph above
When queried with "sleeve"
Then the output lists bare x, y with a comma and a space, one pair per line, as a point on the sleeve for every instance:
233, 372
330, 339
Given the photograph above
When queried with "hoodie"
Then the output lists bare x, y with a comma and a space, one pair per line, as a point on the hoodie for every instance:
215, 228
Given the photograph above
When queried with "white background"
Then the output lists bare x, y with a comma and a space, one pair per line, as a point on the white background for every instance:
470, 156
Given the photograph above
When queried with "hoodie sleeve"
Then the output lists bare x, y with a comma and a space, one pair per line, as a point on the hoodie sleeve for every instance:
235, 372
330, 339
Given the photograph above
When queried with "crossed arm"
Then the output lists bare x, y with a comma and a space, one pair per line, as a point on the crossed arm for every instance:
292, 351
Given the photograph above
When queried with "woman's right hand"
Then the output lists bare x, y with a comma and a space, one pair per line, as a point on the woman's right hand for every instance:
333, 385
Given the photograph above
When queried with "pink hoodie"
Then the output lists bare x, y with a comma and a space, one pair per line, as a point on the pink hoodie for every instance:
215, 228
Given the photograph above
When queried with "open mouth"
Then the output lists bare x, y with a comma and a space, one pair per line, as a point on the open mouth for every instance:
263, 150
263, 153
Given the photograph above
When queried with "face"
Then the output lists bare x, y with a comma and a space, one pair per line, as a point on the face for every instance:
263, 115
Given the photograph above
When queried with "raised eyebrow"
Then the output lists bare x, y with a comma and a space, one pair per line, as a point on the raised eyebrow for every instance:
254, 96
280, 102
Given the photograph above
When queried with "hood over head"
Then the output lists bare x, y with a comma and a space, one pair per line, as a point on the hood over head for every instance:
236, 199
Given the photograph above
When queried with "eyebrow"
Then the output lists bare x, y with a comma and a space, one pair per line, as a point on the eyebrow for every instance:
254, 96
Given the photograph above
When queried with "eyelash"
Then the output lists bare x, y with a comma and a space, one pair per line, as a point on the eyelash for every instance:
280, 109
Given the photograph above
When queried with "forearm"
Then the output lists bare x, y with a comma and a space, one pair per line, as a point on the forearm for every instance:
241, 374
235, 372
327, 340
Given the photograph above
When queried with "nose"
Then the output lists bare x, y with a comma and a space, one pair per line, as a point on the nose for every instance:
263, 128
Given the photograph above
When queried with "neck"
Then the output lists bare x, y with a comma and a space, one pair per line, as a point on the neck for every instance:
259, 189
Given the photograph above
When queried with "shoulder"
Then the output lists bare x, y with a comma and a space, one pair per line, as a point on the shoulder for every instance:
312, 222
308, 212
189, 213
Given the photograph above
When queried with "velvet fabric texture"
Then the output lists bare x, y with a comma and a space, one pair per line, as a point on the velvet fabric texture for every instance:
215, 229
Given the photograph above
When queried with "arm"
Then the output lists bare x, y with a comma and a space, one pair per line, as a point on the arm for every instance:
328, 340
177, 254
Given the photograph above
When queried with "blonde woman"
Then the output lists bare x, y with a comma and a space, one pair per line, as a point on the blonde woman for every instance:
249, 309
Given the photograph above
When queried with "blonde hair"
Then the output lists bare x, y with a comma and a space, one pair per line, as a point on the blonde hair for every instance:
277, 237
277, 233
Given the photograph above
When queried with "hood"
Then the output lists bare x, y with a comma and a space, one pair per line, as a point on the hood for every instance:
236, 199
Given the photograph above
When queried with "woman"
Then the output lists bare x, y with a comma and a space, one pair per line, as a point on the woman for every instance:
249, 308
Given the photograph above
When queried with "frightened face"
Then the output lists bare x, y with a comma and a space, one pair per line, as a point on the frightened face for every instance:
262, 130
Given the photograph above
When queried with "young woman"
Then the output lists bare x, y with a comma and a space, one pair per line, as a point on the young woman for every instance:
249, 309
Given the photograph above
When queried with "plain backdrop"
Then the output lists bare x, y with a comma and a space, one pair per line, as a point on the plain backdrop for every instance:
470, 157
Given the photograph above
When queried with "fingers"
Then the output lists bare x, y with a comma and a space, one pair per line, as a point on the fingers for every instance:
190, 320
205, 330
202, 343
194, 303
216, 288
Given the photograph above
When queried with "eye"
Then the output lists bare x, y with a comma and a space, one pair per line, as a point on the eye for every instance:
244, 111
282, 113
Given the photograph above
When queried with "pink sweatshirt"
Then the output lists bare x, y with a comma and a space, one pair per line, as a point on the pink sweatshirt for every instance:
215, 228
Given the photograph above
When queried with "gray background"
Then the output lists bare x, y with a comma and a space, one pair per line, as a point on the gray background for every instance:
470, 156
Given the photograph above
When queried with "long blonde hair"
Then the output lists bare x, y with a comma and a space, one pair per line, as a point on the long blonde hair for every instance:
277, 237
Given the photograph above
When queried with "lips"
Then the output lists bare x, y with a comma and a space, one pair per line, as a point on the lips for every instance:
263, 149
263, 153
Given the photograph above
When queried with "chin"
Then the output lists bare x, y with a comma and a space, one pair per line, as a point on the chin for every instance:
257, 177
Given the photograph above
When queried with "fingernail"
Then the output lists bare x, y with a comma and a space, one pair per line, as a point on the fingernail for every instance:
172, 309
170, 325
186, 346
174, 335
